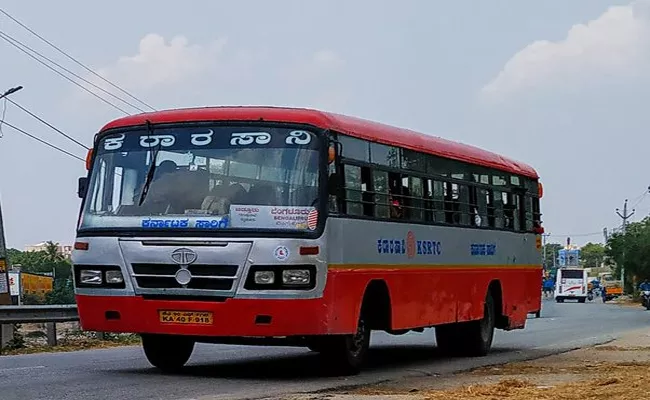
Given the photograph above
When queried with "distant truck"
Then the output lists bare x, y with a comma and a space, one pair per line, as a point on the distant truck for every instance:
613, 287
571, 283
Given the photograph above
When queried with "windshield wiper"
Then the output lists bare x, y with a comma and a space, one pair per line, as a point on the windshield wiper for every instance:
152, 167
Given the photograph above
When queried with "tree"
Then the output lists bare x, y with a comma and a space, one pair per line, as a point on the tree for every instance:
551, 251
632, 250
52, 252
592, 255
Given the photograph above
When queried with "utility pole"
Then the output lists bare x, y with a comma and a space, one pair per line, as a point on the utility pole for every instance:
5, 293
624, 216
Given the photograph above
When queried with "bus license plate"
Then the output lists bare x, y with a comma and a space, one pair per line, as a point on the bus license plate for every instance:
185, 317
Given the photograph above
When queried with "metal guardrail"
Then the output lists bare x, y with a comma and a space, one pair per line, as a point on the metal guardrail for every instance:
38, 314
35, 314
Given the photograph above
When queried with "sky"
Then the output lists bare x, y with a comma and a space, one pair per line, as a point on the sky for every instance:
563, 86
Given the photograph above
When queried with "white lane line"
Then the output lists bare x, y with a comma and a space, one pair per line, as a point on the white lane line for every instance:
21, 368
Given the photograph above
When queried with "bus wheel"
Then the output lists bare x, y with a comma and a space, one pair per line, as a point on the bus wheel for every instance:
480, 333
538, 314
345, 354
167, 353
473, 339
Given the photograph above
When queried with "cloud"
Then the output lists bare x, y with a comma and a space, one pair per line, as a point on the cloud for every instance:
158, 63
615, 46
186, 74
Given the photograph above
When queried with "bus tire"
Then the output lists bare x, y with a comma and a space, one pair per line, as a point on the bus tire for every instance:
471, 339
538, 314
345, 354
480, 334
167, 353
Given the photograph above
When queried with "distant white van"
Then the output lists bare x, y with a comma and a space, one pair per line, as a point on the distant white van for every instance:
571, 283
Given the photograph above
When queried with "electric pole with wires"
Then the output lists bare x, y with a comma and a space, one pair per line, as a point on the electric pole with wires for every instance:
5, 294
624, 216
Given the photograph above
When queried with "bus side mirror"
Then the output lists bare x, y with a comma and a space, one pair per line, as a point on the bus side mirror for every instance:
82, 187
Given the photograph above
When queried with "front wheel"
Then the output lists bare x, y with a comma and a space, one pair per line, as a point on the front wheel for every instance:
167, 353
345, 354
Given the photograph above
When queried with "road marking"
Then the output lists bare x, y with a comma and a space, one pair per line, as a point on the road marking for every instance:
21, 368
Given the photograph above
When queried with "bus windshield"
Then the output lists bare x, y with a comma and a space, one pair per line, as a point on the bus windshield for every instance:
208, 177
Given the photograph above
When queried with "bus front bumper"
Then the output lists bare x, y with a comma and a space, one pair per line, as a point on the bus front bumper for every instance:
232, 317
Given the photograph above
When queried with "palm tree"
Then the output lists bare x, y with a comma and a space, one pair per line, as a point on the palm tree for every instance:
52, 252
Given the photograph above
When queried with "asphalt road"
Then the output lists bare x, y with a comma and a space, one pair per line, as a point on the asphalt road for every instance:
234, 372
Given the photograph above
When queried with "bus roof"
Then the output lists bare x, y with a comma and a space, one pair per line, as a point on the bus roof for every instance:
357, 127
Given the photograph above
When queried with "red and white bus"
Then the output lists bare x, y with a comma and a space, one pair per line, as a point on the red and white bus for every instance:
268, 225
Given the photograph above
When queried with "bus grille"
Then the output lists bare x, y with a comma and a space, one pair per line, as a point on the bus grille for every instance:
204, 277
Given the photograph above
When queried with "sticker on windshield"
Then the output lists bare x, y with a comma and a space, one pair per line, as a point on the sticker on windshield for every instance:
298, 137
247, 138
273, 217
312, 219
281, 253
165, 223
200, 223
213, 223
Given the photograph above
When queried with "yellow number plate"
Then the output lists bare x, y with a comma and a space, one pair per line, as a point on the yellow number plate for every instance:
185, 317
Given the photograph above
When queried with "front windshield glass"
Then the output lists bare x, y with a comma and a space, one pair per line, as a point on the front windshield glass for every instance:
216, 177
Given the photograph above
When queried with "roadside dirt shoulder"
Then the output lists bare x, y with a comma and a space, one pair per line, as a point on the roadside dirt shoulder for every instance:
618, 370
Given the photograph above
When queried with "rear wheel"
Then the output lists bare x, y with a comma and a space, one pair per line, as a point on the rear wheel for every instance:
473, 339
167, 353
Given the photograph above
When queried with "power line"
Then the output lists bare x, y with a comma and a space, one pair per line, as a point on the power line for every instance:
48, 124
641, 197
577, 234
75, 60
43, 141
9, 40
18, 44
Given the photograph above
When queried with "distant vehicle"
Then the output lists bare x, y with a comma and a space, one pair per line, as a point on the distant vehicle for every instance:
571, 283
613, 287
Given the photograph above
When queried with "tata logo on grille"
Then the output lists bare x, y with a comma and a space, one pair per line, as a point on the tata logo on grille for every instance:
183, 256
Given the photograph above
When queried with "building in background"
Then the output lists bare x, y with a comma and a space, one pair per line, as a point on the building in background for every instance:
65, 251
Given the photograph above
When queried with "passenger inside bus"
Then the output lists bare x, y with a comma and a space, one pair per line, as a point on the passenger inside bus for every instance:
398, 199
222, 196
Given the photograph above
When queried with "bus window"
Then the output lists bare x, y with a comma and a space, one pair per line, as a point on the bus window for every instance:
415, 187
498, 209
353, 190
380, 186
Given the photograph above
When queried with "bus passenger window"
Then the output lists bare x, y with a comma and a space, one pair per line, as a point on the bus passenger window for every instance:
353, 190
380, 187
509, 210
498, 209
398, 204
417, 202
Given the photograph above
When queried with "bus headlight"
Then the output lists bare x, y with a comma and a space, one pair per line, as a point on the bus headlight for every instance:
114, 277
264, 277
90, 277
296, 277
